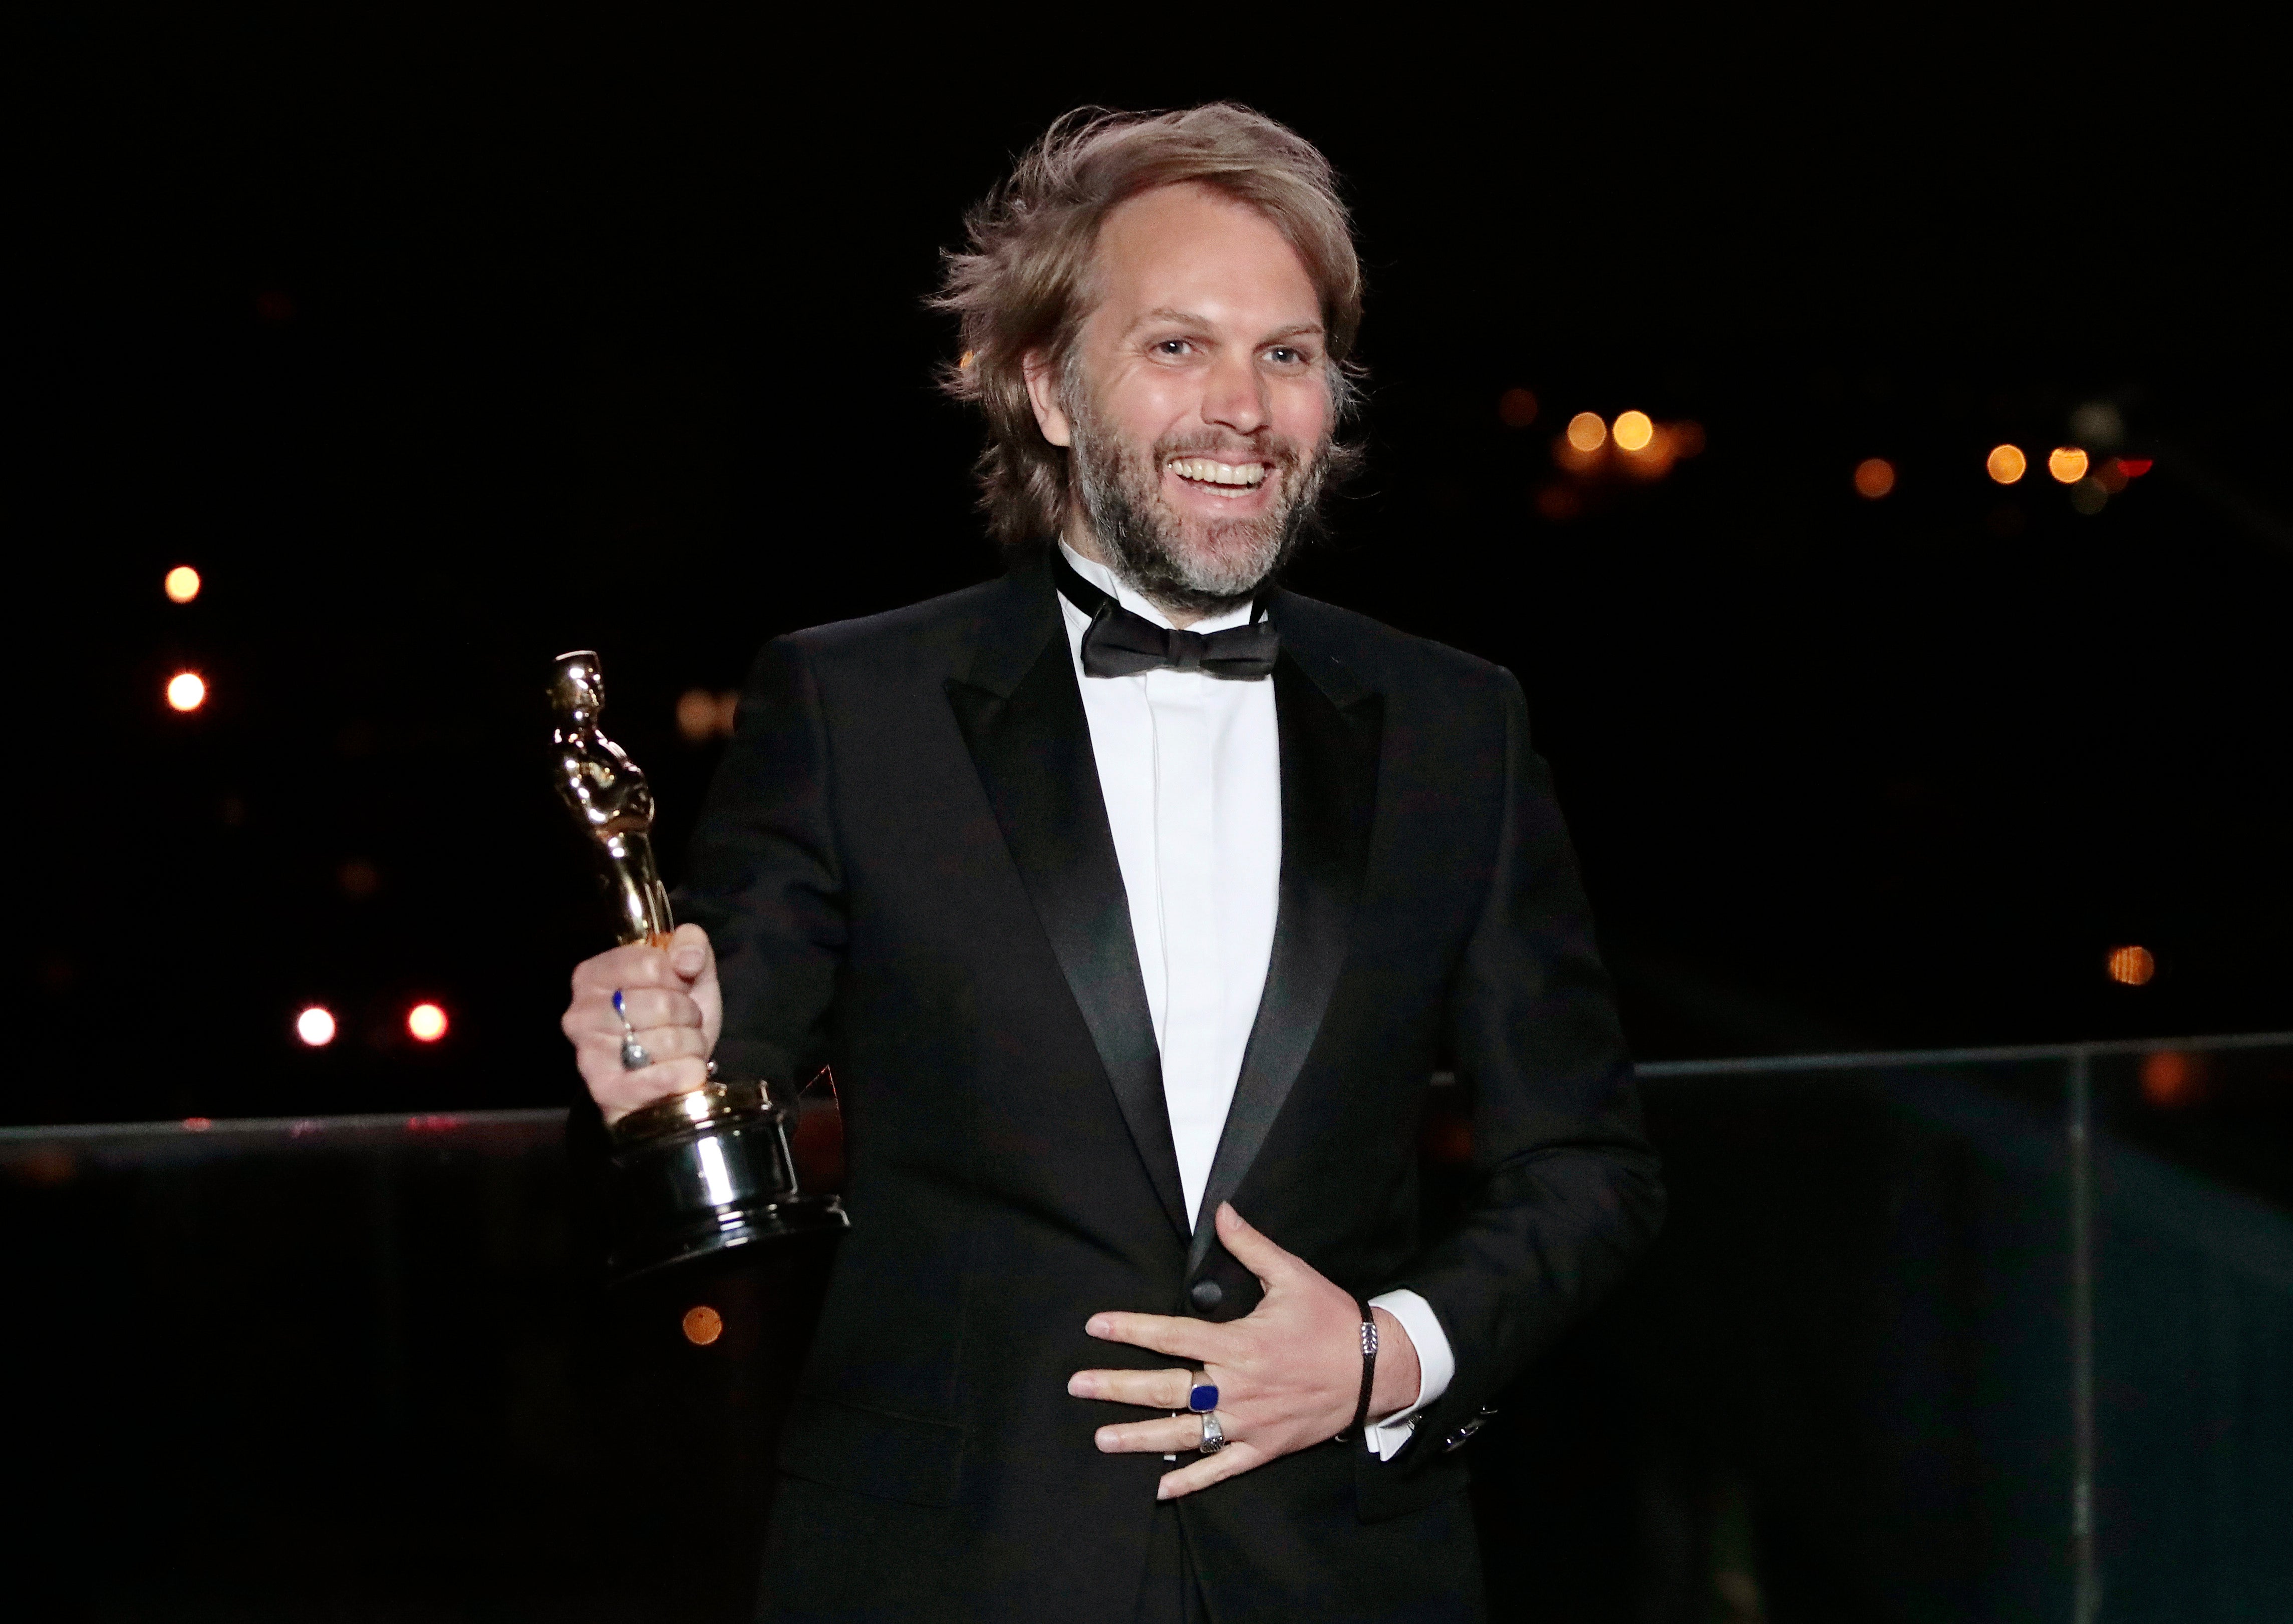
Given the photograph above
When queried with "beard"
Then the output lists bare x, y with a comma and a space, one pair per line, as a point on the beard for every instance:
1196, 567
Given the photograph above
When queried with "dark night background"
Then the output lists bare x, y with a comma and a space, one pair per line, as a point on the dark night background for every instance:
440, 342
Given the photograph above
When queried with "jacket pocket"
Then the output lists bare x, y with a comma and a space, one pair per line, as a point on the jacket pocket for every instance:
872, 1451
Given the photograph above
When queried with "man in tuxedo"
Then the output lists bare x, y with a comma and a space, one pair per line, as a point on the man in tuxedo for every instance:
1134, 900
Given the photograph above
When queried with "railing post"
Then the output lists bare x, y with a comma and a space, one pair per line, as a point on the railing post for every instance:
2085, 1580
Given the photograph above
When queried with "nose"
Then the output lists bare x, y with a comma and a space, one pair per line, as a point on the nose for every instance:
1235, 395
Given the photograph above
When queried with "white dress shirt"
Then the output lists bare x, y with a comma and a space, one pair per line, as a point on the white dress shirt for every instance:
1190, 767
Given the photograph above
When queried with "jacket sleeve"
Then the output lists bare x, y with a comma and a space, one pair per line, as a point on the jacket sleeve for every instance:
1568, 1187
764, 877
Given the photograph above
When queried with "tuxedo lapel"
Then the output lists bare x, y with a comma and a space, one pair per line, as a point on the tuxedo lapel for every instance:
1022, 716
1330, 727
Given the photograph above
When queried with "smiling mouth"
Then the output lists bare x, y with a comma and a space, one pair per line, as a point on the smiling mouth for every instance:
1220, 478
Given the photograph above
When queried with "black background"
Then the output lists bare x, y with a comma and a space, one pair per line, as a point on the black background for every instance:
441, 341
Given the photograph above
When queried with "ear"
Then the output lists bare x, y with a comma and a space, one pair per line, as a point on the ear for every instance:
1043, 395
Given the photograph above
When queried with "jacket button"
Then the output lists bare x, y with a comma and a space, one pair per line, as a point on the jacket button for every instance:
1206, 1293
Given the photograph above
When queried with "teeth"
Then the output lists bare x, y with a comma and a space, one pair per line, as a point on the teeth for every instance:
1218, 473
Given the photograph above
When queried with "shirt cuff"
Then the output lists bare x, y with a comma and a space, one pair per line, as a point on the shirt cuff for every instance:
1436, 1365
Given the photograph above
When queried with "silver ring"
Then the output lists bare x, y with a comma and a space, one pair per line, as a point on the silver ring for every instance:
1213, 1434
634, 1057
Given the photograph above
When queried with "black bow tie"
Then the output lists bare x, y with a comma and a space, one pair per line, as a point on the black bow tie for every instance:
1119, 644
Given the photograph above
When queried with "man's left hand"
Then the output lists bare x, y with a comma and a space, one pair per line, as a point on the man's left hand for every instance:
1288, 1373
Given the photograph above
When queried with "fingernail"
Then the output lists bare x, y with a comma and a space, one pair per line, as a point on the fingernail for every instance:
1162, 1489
1096, 1325
1104, 1438
1078, 1388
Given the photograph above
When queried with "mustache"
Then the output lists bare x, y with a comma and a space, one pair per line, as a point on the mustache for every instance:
1279, 449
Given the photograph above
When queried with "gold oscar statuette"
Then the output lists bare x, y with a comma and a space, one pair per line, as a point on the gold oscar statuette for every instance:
698, 1172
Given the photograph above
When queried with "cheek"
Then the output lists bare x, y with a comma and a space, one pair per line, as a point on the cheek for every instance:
1301, 412
1148, 403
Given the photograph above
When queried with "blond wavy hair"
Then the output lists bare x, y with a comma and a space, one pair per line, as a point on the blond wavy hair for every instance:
1025, 282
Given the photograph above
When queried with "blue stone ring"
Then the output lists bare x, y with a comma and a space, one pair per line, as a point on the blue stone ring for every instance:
634, 1054
1202, 1398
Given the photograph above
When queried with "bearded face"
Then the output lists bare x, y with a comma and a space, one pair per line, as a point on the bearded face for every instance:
1200, 562
1196, 402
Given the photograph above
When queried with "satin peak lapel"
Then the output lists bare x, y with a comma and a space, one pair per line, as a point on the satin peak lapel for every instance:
1031, 742
1330, 728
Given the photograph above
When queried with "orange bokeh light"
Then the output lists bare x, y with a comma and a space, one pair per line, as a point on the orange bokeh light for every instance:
2066, 464
316, 1026
2170, 1077
426, 1021
1586, 432
702, 716
1875, 477
187, 691
1653, 460
2132, 967
181, 584
2006, 464
1633, 430
702, 1325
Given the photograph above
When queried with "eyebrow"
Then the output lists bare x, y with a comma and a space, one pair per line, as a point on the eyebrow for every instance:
1188, 319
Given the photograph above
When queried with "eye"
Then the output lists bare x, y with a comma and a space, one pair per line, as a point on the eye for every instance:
1169, 346
1286, 355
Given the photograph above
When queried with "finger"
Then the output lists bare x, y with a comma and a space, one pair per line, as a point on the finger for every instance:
660, 1043
1253, 1250
619, 1093
636, 966
648, 1007
650, 1010
1165, 1436
689, 952
1196, 1339
1160, 1389
1232, 1461
599, 1058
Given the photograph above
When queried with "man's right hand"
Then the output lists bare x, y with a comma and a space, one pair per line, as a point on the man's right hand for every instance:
671, 998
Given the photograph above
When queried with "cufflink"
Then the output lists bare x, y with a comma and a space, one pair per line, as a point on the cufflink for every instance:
1463, 1435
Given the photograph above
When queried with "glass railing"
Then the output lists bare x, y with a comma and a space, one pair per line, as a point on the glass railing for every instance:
1989, 1334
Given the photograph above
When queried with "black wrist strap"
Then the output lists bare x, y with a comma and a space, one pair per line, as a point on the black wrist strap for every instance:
1369, 1371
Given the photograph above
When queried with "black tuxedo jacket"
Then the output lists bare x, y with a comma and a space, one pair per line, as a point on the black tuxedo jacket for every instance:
906, 866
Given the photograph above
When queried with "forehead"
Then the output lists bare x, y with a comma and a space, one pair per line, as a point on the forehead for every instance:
1193, 248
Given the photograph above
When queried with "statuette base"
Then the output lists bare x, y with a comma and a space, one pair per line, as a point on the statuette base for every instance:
706, 1172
